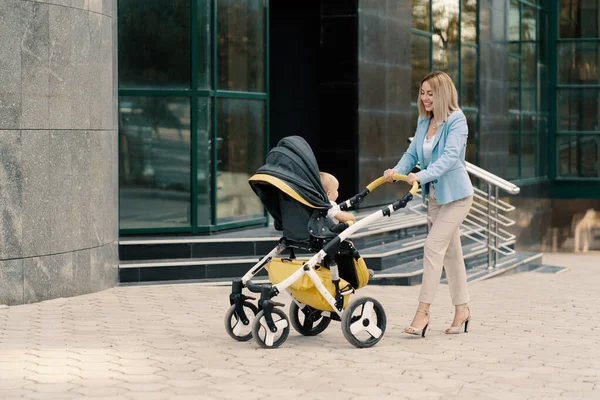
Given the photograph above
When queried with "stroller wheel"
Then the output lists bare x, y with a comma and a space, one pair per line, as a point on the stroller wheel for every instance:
234, 325
313, 321
363, 322
263, 335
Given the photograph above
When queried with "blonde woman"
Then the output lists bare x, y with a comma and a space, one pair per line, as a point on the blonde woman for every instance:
439, 146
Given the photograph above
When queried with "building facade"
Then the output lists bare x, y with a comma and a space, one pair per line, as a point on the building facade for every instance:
207, 87
163, 141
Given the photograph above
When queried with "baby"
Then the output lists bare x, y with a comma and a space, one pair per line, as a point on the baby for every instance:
331, 185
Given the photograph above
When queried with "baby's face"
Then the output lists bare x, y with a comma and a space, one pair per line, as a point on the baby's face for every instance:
332, 191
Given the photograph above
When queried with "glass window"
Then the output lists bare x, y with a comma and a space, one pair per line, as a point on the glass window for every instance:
204, 43
578, 63
154, 154
204, 168
241, 152
421, 46
414, 117
512, 169
514, 64
514, 22
529, 146
468, 27
579, 110
543, 88
578, 155
241, 45
528, 77
445, 37
529, 24
472, 124
579, 18
529, 151
542, 145
154, 43
420, 15
469, 76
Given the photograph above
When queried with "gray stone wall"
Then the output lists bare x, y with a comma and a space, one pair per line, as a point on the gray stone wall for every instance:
384, 91
58, 148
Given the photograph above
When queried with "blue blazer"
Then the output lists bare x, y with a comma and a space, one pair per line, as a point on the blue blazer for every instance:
447, 170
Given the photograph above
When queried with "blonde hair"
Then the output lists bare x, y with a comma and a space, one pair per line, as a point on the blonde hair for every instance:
327, 180
444, 95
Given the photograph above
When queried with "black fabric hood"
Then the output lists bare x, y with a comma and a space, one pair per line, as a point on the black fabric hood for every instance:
294, 162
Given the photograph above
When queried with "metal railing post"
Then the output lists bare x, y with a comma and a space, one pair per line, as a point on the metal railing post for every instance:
489, 228
497, 194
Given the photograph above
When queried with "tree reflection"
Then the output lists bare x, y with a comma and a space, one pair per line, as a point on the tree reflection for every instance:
445, 15
420, 15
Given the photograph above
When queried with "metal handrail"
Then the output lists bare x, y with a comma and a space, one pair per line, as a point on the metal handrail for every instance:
495, 180
488, 177
493, 237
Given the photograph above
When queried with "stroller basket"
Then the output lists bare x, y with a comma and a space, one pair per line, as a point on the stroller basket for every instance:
305, 291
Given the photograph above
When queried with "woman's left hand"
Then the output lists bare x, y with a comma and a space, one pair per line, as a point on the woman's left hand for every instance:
411, 178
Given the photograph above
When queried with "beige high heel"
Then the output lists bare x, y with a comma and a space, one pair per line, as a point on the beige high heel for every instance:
411, 330
456, 329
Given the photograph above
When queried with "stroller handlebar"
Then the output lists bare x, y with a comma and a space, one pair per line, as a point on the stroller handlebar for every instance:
358, 198
396, 177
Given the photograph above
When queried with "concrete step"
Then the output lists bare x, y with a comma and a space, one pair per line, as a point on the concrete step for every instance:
259, 241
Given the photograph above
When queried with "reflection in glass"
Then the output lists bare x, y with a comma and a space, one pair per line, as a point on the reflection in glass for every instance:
528, 23
241, 45
528, 77
471, 139
543, 88
578, 155
154, 43
469, 76
420, 62
414, 118
528, 156
241, 152
204, 43
514, 22
578, 110
542, 146
204, 149
514, 64
154, 155
468, 27
445, 37
579, 63
579, 19
420, 15
512, 168
529, 146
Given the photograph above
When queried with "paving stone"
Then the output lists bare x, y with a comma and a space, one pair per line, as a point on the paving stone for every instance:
154, 342
50, 379
101, 391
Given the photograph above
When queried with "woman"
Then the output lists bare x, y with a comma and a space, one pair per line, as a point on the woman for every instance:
439, 146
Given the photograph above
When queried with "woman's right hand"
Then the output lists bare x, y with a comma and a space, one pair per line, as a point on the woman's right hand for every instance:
388, 175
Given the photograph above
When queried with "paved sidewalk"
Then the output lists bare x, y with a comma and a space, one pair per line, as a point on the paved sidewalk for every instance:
533, 336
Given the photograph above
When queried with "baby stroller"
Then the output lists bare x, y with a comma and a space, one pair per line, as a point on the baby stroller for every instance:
290, 188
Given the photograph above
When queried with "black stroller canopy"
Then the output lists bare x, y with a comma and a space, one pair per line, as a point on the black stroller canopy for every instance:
293, 162
289, 186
